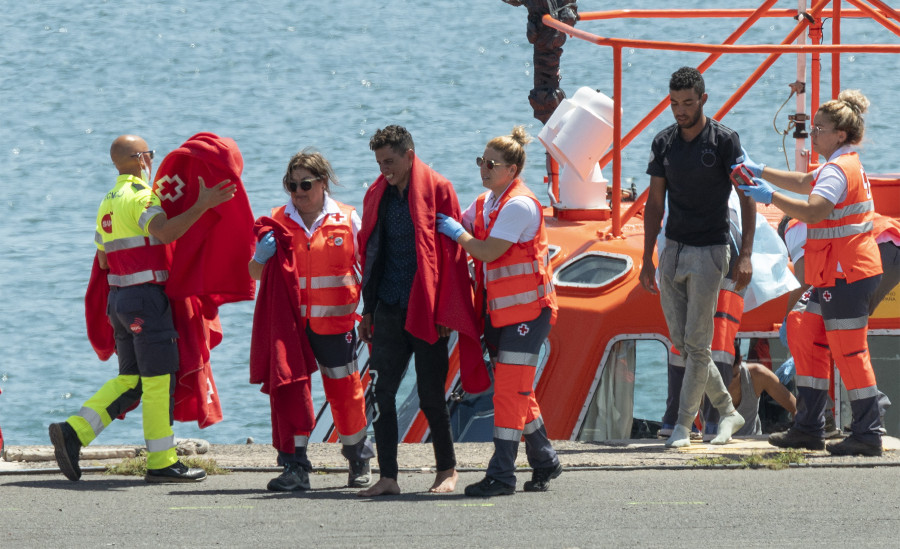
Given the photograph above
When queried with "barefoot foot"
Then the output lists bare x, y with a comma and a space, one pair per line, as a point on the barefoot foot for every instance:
444, 482
384, 487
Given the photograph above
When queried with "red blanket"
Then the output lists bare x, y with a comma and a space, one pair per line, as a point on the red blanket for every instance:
441, 292
209, 268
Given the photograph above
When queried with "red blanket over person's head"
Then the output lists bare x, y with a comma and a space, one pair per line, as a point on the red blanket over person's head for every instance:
211, 258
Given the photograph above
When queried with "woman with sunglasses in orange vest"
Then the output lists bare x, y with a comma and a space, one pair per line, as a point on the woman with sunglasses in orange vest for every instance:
843, 264
322, 234
507, 239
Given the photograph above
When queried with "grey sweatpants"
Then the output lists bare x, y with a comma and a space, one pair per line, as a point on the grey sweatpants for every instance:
689, 280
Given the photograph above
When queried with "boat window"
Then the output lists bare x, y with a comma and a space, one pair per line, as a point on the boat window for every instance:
631, 395
593, 269
553, 250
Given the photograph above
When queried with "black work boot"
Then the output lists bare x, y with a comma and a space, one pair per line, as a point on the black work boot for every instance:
541, 477
793, 438
177, 472
67, 448
851, 446
359, 475
489, 487
294, 477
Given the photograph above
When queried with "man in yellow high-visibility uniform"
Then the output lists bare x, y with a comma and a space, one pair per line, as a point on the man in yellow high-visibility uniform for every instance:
132, 231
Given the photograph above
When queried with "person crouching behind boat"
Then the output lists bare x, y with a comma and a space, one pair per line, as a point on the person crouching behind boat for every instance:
843, 264
506, 237
317, 236
132, 229
690, 168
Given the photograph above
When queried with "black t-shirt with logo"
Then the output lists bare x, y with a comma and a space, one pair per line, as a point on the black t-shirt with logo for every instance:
697, 181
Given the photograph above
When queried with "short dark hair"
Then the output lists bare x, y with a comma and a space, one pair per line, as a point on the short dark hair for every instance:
687, 78
393, 136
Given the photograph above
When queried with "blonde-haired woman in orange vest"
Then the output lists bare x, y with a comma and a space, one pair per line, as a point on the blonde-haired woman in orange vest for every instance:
323, 237
843, 264
507, 239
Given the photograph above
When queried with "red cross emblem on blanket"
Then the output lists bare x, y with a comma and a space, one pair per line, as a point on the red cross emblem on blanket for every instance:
826, 295
170, 188
522, 329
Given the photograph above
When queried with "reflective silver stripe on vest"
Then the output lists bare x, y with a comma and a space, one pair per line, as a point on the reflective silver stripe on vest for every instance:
846, 323
838, 232
339, 281
505, 433
160, 444
320, 311
533, 425
129, 243
852, 209
137, 278
518, 358
302, 283
512, 270
338, 372
353, 440
519, 299
93, 419
723, 357
866, 392
812, 382
301, 441
814, 308
98, 238
148, 214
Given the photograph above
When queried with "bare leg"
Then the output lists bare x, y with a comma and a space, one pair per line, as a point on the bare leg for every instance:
384, 487
444, 482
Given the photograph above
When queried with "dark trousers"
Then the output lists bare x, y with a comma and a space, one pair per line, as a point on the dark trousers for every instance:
392, 347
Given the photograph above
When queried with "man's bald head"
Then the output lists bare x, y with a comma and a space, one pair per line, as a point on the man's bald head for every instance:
123, 151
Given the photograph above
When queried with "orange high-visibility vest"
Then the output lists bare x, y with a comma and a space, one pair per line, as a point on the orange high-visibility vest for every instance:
133, 254
845, 236
519, 282
326, 266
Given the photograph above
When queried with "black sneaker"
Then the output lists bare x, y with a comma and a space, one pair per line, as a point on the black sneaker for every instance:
67, 448
793, 438
541, 477
177, 472
294, 477
489, 487
853, 447
360, 474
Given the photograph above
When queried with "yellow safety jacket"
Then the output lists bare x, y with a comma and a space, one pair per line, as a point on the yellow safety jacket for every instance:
134, 256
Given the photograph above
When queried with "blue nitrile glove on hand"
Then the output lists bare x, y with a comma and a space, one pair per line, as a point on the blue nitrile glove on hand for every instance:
785, 372
449, 226
265, 248
782, 333
755, 169
761, 191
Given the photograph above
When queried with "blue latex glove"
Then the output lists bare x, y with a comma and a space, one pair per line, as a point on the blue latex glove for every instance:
449, 226
755, 168
785, 372
761, 191
265, 248
782, 333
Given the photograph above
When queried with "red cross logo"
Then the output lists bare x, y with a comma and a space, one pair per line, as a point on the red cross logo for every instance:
807, 294
170, 188
826, 295
523, 329
349, 337
338, 217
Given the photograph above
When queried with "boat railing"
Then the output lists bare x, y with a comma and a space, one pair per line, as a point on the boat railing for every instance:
810, 21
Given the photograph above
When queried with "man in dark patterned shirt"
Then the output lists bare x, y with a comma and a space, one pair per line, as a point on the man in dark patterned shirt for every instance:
399, 291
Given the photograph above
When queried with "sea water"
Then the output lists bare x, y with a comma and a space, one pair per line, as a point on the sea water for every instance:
278, 76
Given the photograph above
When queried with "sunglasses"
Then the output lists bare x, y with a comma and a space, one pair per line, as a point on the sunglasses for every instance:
305, 184
151, 154
479, 161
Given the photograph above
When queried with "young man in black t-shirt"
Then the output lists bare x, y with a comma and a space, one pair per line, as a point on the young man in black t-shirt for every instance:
689, 170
